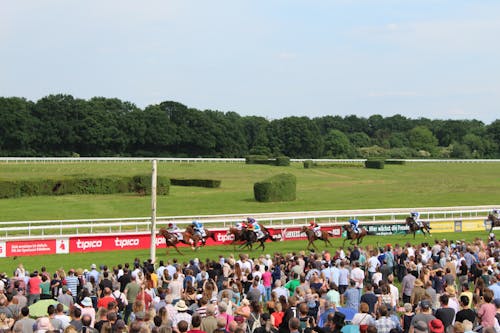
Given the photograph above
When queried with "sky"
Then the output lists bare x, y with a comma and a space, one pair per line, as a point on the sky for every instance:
438, 59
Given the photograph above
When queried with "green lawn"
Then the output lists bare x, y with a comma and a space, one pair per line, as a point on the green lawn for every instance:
84, 260
411, 185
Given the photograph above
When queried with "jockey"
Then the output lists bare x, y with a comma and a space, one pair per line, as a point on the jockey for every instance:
315, 227
496, 212
416, 217
198, 227
354, 224
174, 229
241, 225
255, 226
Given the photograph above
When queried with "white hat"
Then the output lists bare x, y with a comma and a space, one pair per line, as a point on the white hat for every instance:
181, 306
93, 266
87, 301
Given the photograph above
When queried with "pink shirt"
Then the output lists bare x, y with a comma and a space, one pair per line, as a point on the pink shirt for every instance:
34, 284
487, 313
267, 279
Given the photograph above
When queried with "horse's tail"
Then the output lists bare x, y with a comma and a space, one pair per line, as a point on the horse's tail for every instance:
427, 225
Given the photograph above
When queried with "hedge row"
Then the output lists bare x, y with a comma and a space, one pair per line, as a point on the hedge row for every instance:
282, 187
374, 164
211, 183
262, 159
397, 162
310, 164
82, 185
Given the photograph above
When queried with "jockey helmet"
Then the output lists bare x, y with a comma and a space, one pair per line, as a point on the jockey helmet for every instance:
353, 220
170, 225
311, 222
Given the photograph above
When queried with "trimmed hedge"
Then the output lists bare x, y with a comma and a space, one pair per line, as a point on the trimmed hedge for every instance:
210, 183
283, 161
311, 164
282, 187
256, 159
82, 185
374, 164
262, 159
397, 162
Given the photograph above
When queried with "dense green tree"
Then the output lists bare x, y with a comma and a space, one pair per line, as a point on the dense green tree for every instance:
61, 125
421, 138
337, 144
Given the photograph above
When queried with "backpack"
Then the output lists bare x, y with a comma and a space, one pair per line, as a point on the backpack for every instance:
255, 324
119, 301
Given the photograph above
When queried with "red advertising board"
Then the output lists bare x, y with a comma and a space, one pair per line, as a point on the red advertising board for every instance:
83, 244
31, 248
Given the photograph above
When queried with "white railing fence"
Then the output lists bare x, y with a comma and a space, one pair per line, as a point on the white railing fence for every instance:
212, 160
53, 228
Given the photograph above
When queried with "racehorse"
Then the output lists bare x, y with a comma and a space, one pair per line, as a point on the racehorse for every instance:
196, 237
425, 228
171, 240
495, 222
352, 235
248, 237
311, 237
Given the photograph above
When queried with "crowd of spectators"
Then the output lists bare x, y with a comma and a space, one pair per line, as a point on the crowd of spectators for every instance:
446, 286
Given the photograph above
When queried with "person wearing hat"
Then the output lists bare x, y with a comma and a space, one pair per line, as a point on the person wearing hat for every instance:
436, 326
66, 298
418, 292
452, 296
420, 327
87, 308
182, 313
424, 315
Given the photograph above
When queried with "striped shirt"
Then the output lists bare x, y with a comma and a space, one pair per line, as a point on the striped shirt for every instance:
72, 282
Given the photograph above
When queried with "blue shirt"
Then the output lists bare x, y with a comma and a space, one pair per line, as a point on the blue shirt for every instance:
351, 296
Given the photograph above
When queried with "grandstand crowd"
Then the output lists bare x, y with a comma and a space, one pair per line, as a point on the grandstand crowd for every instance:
445, 286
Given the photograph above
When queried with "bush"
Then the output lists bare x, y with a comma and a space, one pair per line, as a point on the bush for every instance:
283, 161
210, 183
281, 187
79, 184
374, 164
397, 162
141, 184
255, 159
308, 164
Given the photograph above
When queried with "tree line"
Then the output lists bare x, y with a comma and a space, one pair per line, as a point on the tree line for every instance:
61, 125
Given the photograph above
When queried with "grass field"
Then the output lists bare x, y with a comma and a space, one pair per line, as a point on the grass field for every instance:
411, 185
84, 260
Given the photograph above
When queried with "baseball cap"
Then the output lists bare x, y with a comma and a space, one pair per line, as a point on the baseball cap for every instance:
420, 327
425, 304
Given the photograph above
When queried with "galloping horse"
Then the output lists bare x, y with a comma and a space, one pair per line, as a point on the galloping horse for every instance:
311, 237
425, 228
196, 236
172, 240
248, 237
495, 222
352, 235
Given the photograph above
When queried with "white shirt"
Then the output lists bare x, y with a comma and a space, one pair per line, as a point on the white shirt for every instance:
343, 277
358, 275
373, 263
411, 252
282, 291
394, 294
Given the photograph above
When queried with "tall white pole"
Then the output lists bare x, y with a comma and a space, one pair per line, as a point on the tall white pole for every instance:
153, 213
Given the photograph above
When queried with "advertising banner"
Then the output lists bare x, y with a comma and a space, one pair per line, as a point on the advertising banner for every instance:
30, 248
474, 225
442, 227
387, 229
3, 250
